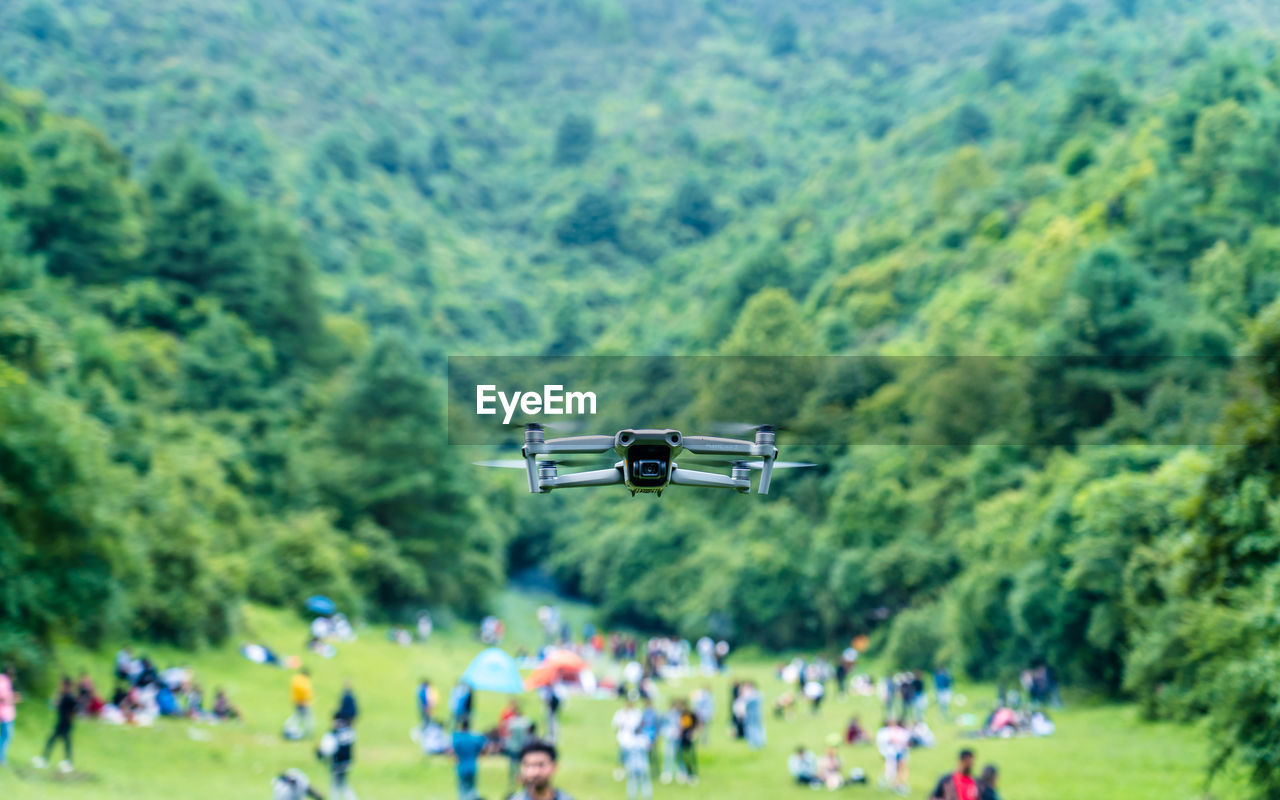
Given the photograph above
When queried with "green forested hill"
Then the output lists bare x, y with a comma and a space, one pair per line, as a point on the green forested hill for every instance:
222, 341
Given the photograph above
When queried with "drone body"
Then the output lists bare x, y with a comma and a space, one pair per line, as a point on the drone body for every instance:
647, 460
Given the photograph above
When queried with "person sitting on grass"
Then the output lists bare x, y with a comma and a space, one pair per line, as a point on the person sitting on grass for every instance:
90, 704
1003, 722
193, 701
829, 771
222, 708
293, 784
783, 706
855, 733
166, 702
922, 735
803, 766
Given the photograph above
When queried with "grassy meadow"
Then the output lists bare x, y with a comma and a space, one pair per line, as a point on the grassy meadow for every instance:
1098, 752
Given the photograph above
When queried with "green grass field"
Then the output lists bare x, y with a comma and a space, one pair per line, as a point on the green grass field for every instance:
1098, 752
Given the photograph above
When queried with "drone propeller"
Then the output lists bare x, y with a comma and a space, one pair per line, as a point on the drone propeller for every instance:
561, 427
737, 462
519, 463
742, 428
776, 464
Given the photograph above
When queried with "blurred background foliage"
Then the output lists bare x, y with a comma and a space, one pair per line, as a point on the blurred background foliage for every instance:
238, 238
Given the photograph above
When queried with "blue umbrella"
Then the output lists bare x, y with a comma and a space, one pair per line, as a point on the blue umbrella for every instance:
493, 671
319, 604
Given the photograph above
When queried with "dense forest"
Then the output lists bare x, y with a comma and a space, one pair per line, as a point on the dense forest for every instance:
237, 240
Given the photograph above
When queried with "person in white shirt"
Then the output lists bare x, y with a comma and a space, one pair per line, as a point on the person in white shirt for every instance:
626, 721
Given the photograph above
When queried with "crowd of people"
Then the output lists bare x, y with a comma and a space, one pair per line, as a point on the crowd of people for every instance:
659, 734
142, 693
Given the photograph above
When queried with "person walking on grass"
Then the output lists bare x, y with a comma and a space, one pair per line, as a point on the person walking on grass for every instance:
635, 759
537, 773
426, 705
65, 706
551, 702
671, 744
625, 722
466, 748
347, 708
894, 742
753, 715
942, 683
704, 705
9, 699
520, 731
688, 745
300, 724
338, 748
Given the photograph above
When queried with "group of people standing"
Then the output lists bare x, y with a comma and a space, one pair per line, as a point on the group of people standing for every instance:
337, 745
649, 740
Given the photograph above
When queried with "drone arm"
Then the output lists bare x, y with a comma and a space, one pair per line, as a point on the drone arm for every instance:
693, 477
570, 444
531, 467
595, 477
718, 445
766, 474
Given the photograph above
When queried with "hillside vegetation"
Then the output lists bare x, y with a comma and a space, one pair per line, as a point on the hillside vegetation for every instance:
236, 241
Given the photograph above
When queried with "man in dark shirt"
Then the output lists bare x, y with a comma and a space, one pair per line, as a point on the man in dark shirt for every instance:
347, 708
66, 710
338, 746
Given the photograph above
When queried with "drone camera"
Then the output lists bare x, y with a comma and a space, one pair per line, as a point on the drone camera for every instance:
650, 468
648, 465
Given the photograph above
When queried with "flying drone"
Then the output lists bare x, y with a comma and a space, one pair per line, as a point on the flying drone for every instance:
648, 462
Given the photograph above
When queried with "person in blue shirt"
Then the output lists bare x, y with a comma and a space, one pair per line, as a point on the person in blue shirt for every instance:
467, 747
942, 684
460, 704
424, 704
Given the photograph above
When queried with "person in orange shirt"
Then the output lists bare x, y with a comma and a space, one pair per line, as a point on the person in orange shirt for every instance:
300, 724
